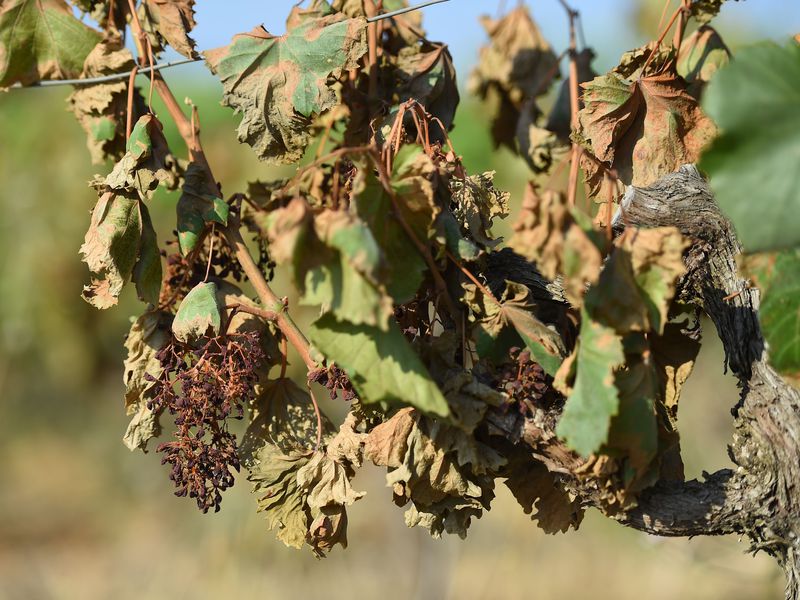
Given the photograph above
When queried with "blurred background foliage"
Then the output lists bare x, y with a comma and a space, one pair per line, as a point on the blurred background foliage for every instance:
82, 517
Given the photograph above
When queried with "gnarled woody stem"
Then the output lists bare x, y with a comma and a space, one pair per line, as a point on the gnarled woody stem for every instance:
761, 497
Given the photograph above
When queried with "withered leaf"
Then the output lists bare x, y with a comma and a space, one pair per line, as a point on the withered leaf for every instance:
674, 354
518, 60
120, 244
169, 21
534, 486
386, 444
147, 161
477, 203
147, 336
644, 129
101, 109
547, 233
280, 83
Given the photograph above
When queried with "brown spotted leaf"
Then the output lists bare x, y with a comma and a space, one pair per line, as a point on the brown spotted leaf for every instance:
280, 84
644, 129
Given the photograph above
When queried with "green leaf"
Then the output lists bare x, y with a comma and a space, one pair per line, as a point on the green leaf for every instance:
147, 161
147, 271
196, 208
199, 312
382, 365
280, 83
110, 248
638, 281
634, 430
594, 400
753, 164
545, 345
41, 40
778, 278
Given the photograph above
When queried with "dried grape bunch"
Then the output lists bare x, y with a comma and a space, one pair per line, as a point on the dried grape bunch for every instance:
335, 380
203, 386
524, 379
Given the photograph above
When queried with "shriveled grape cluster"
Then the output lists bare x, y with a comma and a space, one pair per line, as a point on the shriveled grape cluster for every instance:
204, 386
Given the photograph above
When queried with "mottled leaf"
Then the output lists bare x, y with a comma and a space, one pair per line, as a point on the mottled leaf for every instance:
644, 128
102, 108
41, 40
547, 233
147, 161
199, 311
477, 202
197, 207
280, 83
110, 248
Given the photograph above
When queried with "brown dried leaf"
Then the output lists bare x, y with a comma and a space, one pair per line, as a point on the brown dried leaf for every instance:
386, 444
169, 22
533, 485
546, 232
102, 108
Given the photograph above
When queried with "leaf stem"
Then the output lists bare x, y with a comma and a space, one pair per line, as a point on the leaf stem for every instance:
282, 319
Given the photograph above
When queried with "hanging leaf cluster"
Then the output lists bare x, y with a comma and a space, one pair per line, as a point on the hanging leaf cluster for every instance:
465, 360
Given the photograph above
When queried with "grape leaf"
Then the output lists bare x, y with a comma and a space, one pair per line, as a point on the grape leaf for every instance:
109, 248
414, 191
638, 280
777, 276
302, 492
754, 101
101, 109
280, 83
169, 21
517, 65
594, 399
148, 334
644, 129
147, 270
634, 430
147, 161
41, 40
382, 366
532, 484
705, 10
196, 208
199, 311
547, 233
700, 56
476, 204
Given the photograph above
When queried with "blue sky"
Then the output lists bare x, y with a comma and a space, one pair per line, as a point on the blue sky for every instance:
607, 23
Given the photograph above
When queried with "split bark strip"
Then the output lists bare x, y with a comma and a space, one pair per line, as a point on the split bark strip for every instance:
232, 234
